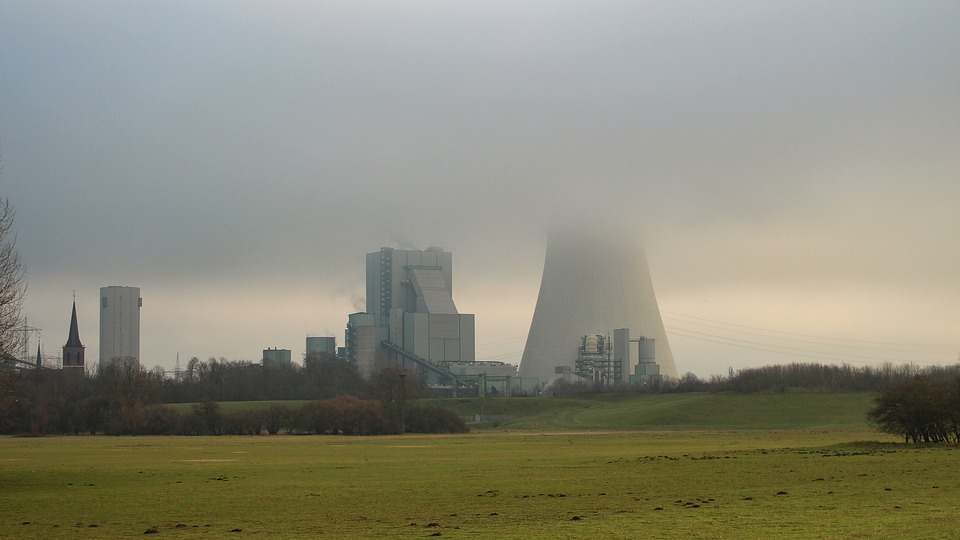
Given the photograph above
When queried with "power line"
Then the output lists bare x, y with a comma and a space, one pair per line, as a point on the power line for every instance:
501, 341
773, 341
781, 349
830, 341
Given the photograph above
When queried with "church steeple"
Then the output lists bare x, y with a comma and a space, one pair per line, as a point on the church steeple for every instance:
73, 340
73, 350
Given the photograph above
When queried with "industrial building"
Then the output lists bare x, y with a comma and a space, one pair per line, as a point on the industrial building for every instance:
324, 345
276, 357
411, 321
604, 362
592, 283
410, 295
362, 341
646, 370
119, 323
410, 311
596, 361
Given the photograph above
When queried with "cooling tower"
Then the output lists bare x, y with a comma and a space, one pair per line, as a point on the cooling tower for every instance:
592, 284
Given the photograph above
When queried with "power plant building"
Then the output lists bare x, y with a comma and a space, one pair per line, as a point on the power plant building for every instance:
276, 357
326, 345
646, 370
591, 285
362, 341
410, 312
410, 294
119, 323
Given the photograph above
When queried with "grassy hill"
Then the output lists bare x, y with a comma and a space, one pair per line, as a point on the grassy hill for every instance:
688, 411
670, 411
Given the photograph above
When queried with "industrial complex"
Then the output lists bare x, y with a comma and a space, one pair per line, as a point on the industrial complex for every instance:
596, 322
594, 284
412, 322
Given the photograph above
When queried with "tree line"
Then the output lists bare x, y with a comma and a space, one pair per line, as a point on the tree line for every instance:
121, 397
777, 378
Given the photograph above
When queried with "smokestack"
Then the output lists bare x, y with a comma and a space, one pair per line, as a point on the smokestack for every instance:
593, 283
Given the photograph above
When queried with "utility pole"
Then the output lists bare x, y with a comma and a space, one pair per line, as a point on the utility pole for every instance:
403, 398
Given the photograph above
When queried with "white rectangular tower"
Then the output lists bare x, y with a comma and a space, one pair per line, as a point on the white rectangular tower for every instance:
119, 323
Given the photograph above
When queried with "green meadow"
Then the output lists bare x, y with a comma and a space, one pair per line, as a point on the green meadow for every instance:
794, 410
673, 466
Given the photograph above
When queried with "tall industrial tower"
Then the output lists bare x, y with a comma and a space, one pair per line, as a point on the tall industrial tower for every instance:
119, 323
592, 283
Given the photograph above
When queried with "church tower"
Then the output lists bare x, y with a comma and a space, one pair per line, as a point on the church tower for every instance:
73, 350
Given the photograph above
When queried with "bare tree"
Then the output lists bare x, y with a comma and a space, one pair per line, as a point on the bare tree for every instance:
13, 286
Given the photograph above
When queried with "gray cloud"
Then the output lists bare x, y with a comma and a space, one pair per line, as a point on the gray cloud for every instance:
200, 147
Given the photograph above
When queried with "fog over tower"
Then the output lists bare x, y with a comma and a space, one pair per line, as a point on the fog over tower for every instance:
593, 283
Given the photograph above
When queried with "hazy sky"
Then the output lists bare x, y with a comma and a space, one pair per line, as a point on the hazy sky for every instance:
795, 166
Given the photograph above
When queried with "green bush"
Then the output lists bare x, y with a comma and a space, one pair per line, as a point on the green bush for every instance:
430, 419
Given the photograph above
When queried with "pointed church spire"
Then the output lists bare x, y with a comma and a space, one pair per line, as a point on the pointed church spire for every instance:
73, 339
73, 350
39, 358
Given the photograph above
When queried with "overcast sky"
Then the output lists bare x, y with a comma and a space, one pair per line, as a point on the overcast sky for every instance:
794, 166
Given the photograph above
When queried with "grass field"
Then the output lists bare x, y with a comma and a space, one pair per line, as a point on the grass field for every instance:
668, 480
800, 410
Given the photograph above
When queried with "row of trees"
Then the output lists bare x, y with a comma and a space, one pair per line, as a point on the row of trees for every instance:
920, 409
343, 415
834, 377
122, 397
321, 377
778, 378
115, 397
39, 401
